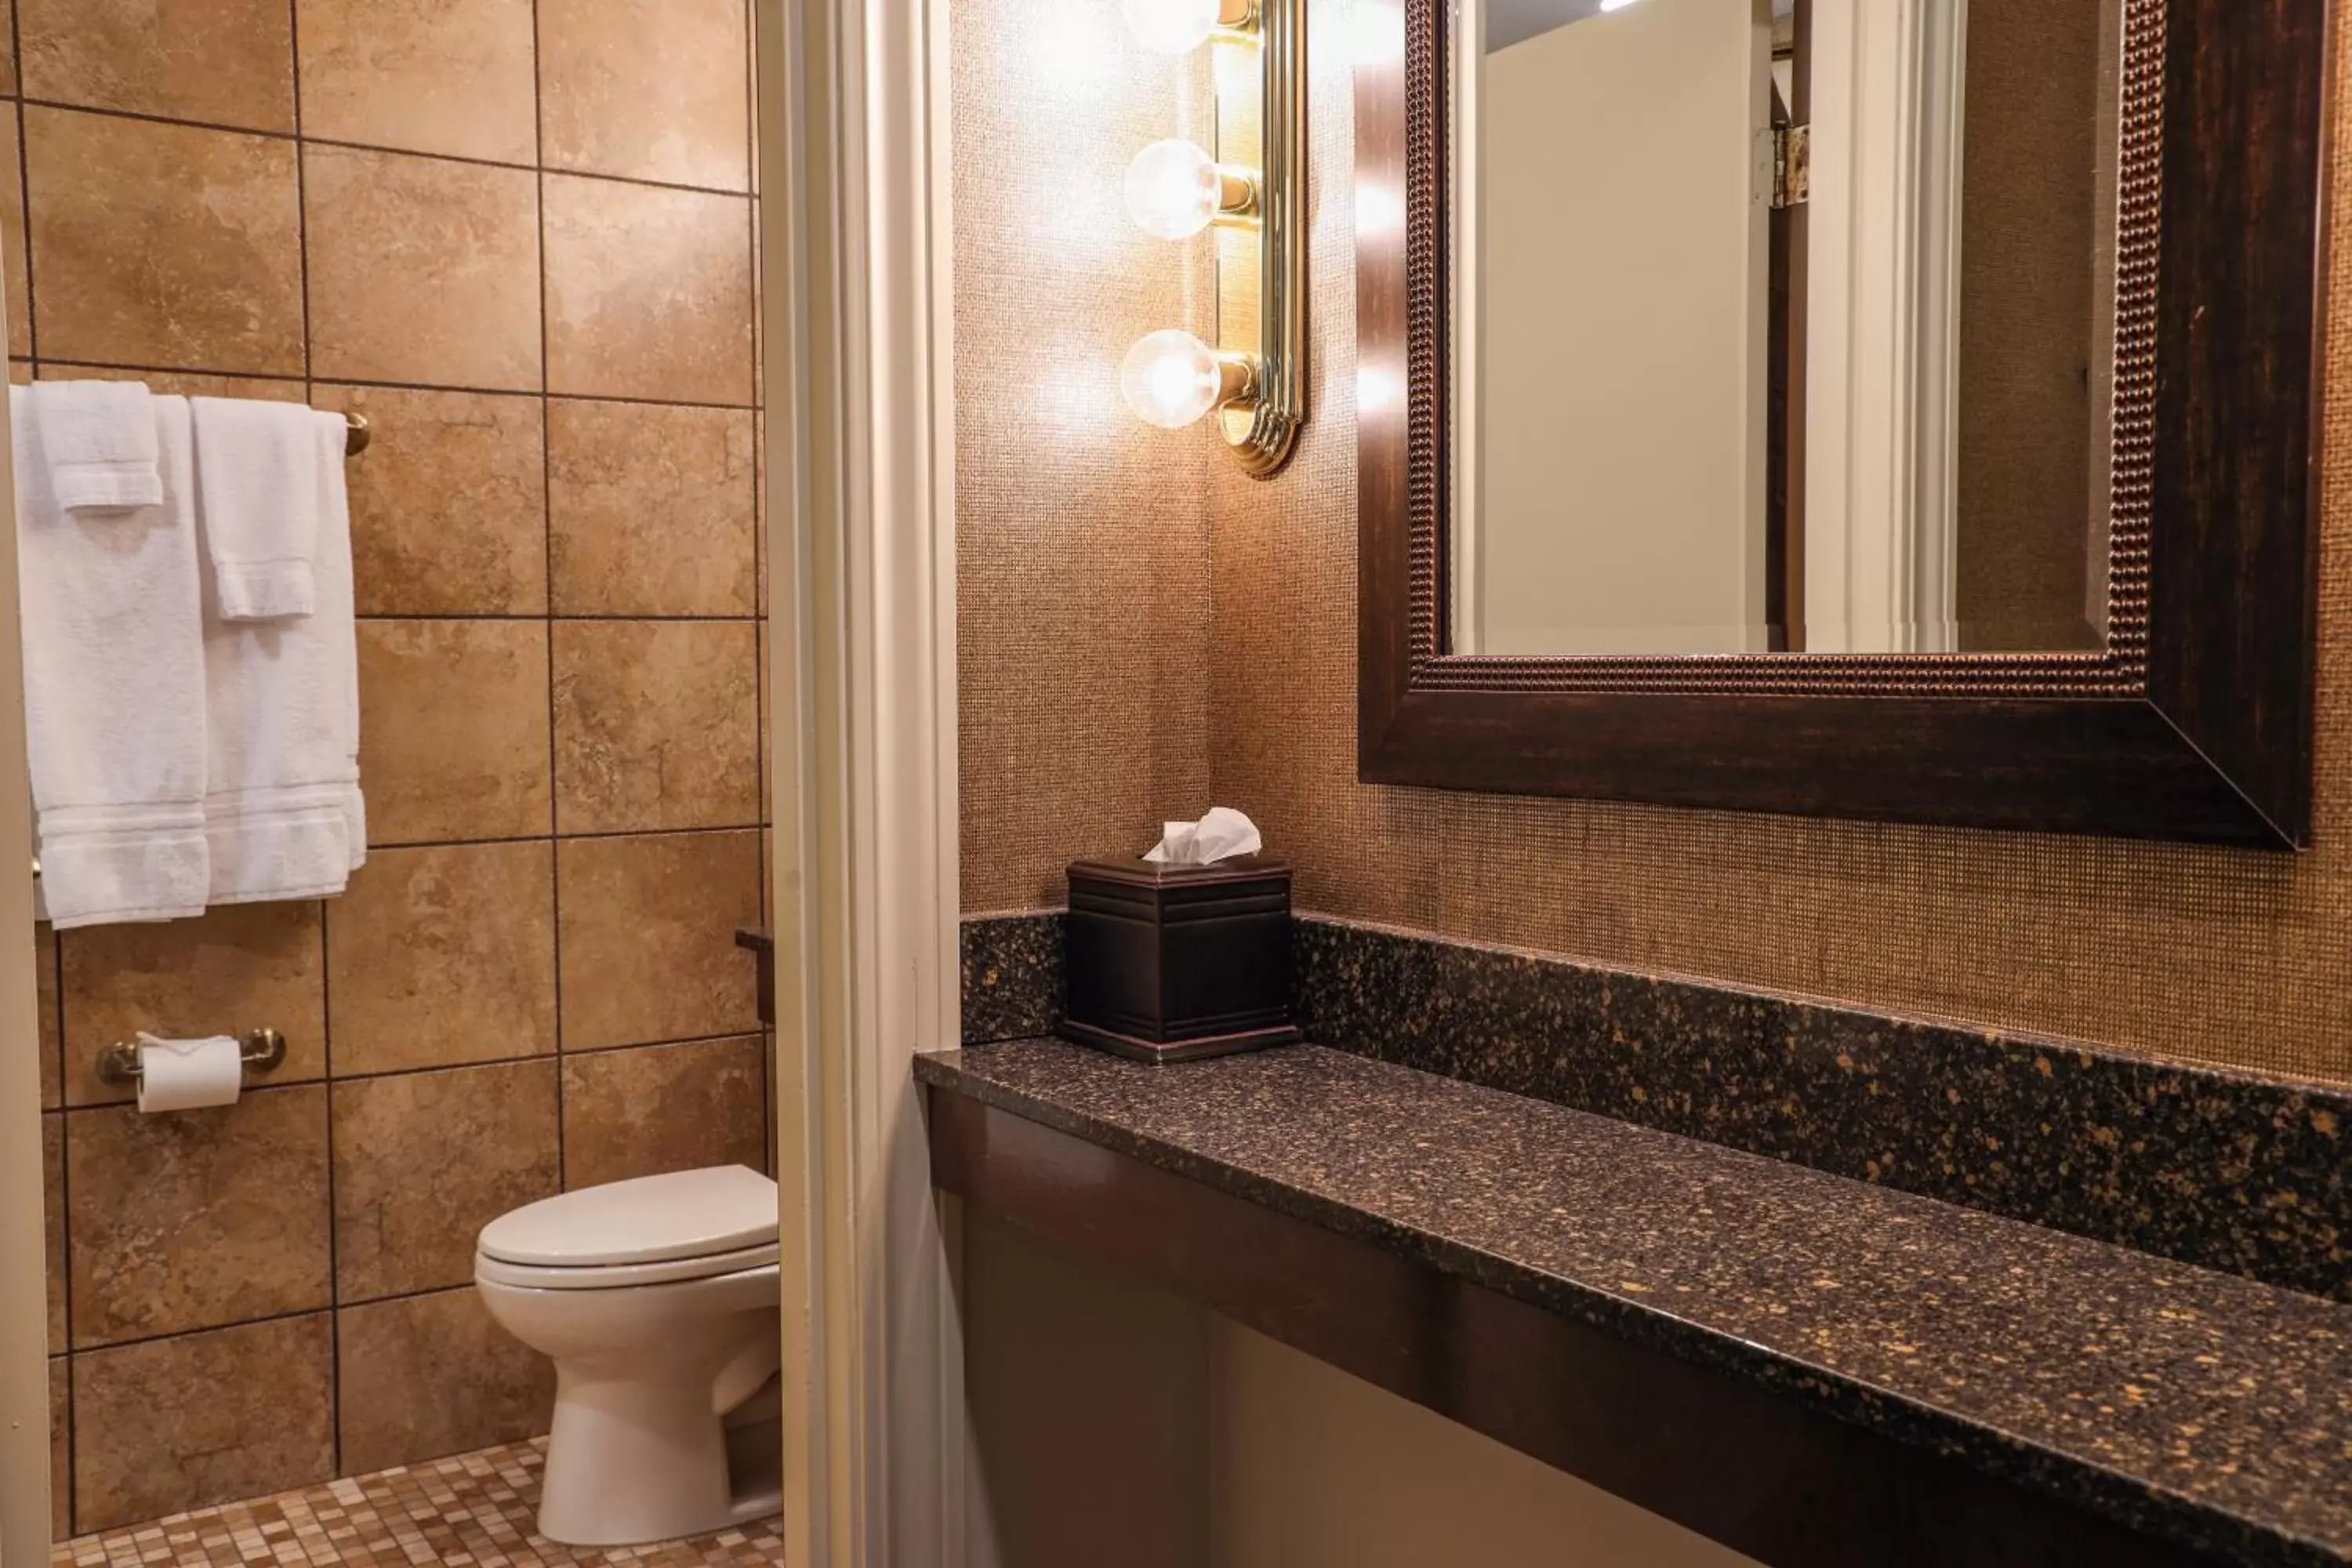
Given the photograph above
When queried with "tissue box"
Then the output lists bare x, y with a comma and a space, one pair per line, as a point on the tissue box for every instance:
1170, 964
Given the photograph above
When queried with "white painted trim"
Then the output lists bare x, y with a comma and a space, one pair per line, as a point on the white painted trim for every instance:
1883, 304
865, 876
24, 1253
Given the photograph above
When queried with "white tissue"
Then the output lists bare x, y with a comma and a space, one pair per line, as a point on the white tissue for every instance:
1219, 836
189, 1075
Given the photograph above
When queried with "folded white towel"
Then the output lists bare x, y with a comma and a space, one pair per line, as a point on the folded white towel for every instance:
282, 806
257, 474
114, 688
100, 441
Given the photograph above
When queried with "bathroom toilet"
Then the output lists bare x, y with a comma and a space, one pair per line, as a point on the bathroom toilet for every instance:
657, 1299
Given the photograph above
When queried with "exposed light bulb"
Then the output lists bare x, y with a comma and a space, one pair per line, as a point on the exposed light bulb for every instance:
1172, 27
1608, 6
1170, 379
1172, 190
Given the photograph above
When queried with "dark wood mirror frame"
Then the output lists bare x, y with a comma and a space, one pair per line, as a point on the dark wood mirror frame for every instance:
2195, 723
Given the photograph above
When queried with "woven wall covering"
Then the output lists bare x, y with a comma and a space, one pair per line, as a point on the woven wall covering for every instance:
2220, 956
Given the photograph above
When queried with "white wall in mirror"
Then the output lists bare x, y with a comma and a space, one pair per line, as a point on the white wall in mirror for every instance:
1865, 419
1610, 327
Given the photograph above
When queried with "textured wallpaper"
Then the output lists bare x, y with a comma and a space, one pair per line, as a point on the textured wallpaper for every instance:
1082, 535
2211, 955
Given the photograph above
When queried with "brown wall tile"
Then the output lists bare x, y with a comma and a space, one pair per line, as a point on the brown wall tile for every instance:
453, 730
648, 293
53, 1215
180, 1423
652, 1108
437, 957
214, 278
649, 932
45, 981
448, 502
650, 510
429, 76
426, 272
421, 270
8, 73
767, 741
226, 62
428, 1375
407, 1213
760, 502
651, 89
656, 725
239, 967
12, 230
199, 1218
60, 1450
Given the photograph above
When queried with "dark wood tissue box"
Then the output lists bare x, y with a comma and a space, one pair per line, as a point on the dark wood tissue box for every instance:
1170, 964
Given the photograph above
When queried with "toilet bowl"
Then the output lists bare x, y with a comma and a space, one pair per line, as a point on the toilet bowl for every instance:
657, 1299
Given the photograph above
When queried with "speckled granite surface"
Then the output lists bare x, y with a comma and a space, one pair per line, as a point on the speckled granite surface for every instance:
2210, 1410
2216, 1169
1011, 976
2225, 1172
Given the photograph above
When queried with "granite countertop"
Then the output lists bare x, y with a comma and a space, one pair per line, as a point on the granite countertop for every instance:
2210, 1410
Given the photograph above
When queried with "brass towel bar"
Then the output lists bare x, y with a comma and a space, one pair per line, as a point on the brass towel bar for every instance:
357, 440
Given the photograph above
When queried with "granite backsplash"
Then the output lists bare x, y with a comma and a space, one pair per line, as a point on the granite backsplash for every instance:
2246, 1175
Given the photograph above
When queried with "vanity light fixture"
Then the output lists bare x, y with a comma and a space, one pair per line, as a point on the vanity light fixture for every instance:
1175, 189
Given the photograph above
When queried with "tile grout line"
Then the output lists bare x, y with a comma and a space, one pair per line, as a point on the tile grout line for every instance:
266, 1320
23, 186
588, 618
546, 542
475, 1065
65, 1242
763, 567
325, 1014
261, 133
71, 361
597, 835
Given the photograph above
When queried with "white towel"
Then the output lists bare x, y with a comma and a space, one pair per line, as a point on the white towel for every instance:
114, 686
99, 437
282, 804
257, 475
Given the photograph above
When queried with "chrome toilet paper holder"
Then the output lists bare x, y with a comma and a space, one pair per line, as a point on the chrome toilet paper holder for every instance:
260, 1049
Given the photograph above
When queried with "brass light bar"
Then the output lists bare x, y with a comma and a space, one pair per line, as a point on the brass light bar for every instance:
1258, 392
1262, 429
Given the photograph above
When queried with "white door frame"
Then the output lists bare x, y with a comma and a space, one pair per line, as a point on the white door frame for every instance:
866, 896
1883, 302
24, 1246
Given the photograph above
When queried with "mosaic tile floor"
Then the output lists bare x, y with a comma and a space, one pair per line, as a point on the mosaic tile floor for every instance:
473, 1509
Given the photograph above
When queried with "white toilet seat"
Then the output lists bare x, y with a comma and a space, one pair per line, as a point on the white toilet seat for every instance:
619, 1276
658, 1300
649, 1219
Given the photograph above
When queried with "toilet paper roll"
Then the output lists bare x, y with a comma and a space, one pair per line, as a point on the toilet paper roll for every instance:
189, 1075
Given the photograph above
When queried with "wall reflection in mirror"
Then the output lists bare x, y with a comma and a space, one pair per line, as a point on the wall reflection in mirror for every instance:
1782, 325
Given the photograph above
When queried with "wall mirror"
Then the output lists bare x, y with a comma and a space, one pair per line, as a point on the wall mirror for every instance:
1894, 408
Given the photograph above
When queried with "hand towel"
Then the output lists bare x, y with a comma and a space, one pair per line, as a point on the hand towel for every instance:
99, 437
259, 485
114, 683
282, 805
